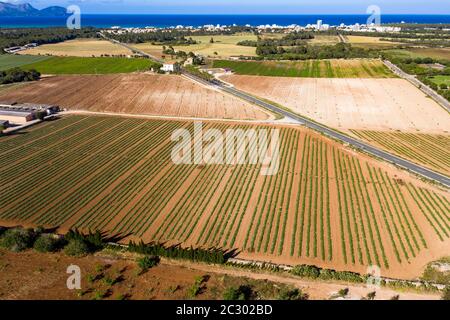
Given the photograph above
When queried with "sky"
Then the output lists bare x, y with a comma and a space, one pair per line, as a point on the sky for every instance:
249, 6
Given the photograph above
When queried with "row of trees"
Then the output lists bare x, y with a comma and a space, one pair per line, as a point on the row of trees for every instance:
73, 243
18, 75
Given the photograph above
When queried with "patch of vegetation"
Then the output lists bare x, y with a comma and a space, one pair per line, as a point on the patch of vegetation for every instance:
314, 272
22, 36
46, 243
17, 239
155, 249
292, 294
76, 248
88, 65
9, 61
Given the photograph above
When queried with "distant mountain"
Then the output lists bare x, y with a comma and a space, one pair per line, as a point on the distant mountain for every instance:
27, 10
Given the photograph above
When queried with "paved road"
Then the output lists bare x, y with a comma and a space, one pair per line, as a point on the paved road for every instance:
420, 170
419, 84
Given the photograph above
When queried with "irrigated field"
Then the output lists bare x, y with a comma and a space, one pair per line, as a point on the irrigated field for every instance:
79, 48
8, 61
369, 104
309, 68
326, 206
85, 65
160, 95
430, 150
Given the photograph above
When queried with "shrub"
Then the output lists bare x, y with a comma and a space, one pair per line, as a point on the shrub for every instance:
306, 271
45, 243
76, 248
17, 239
147, 262
93, 240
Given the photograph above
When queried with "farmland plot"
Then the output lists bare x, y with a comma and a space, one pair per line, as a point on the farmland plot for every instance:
326, 205
165, 95
427, 149
365, 104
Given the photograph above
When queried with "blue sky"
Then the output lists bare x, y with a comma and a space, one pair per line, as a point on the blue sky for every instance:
249, 6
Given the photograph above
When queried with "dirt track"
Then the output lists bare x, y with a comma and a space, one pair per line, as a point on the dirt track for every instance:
165, 95
372, 104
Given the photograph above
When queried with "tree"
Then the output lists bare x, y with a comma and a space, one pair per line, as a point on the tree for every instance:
17, 239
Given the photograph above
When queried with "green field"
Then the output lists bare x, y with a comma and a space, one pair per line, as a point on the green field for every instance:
309, 68
8, 61
82, 65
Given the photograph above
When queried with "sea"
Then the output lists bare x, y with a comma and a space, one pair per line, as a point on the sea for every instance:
165, 20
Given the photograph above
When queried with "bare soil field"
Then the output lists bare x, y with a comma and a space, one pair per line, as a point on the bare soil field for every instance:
160, 95
327, 205
368, 104
33, 276
79, 48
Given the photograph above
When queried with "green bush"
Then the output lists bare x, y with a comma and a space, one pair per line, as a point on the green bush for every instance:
76, 248
306, 271
17, 239
241, 293
46, 243
147, 262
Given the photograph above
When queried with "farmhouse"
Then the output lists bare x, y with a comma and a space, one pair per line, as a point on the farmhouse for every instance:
171, 67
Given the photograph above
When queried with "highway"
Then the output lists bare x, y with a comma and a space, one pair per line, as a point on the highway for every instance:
367, 148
